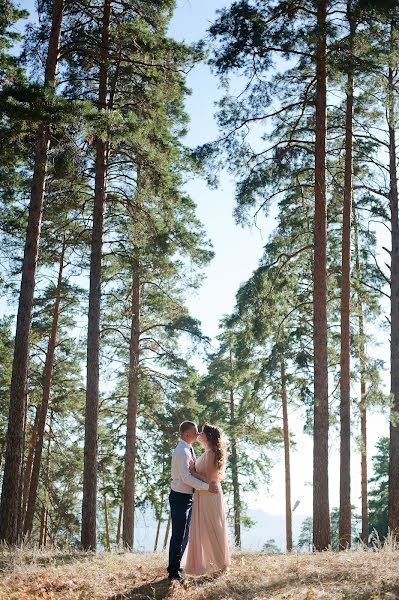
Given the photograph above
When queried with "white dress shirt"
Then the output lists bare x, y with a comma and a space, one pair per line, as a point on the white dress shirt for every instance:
182, 480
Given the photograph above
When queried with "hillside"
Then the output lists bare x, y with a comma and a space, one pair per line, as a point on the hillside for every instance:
360, 575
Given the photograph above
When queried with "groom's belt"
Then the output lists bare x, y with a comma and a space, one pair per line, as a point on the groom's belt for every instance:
182, 493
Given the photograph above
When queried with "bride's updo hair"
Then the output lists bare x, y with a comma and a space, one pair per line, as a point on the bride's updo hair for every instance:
217, 442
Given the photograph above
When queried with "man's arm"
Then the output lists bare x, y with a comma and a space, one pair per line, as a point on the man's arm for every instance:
183, 460
213, 486
195, 473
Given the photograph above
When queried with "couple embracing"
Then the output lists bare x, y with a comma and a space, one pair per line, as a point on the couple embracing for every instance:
199, 543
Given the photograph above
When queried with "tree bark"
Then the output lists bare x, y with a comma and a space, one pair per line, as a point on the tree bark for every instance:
321, 513
130, 452
393, 493
160, 516
119, 527
47, 377
234, 468
345, 404
2, 451
362, 404
107, 540
159, 523
89, 502
288, 510
45, 507
29, 462
11, 496
43, 527
167, 531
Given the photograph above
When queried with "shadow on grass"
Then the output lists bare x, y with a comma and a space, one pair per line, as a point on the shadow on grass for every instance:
155, 590
160, 589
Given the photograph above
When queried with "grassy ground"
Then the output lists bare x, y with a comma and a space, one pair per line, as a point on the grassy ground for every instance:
358, 575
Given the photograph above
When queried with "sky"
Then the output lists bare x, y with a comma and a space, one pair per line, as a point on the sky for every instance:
237, 252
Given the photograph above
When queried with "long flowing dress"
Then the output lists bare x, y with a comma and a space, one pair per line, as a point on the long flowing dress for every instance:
207, 550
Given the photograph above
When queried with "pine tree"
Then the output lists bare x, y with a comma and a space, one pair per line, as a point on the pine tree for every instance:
345, 406
11, 497
231, 396
378, 515
249, 37
127, 41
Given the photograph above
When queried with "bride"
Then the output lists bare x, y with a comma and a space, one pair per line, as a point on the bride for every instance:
207, 550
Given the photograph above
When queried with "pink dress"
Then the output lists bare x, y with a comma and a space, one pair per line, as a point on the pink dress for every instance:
207, 550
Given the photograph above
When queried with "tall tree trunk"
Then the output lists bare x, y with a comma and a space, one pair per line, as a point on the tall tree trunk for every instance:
119, 527
130, 452
160, 515
107, 540
29, 462
321, 512
393, 494
345, 404
159, 523
47, 377
2, 451
89, 502
43, 527
234, 468
362, 404
288, 511
11, 496
167, 531
45, 507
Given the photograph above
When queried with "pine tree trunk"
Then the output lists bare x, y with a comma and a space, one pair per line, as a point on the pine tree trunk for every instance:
107, 540
345, 404
119, 527
159, 523
167, 531
362, 404
234, 469
363, 459
393, 494
47, 377
160, 515
43, 527
288, 511
236, 493
130, 452
45, 508
89, 503
321, 513
29, 462
11, 496
2, 451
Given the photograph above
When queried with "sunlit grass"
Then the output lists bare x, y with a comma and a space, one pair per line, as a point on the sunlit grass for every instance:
51, 574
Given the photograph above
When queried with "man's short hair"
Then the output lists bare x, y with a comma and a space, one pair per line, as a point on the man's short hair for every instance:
186, 426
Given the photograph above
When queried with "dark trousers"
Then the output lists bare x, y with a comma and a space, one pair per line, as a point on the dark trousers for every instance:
180, 511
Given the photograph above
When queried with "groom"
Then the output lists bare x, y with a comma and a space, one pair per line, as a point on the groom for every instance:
181, 495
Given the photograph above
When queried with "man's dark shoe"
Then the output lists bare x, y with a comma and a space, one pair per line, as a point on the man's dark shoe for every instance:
175, 576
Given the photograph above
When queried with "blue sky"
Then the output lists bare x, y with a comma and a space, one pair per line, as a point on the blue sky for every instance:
237, 250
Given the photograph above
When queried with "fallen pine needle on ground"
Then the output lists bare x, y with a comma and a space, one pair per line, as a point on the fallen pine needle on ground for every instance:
50, 575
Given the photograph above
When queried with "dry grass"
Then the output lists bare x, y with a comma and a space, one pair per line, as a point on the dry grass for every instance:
358, 575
